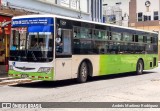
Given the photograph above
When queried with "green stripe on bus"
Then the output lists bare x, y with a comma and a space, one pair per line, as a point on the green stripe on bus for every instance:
50, 75
112, 64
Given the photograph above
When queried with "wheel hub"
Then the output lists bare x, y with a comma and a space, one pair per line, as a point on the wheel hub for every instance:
140, 67
84, 71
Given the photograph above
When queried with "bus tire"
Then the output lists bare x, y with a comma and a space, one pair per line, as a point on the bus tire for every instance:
140, 66
83, 72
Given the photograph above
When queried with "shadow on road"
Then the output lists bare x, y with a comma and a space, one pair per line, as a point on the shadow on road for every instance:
57, 84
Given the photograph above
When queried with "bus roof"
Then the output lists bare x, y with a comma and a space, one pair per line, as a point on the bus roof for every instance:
75, 19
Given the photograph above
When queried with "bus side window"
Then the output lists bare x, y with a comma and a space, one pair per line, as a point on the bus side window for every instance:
136, 38
66, 41
76, 33
145, 39
148, 39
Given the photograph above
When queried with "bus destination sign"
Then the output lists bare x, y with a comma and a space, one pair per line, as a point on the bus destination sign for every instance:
32, 21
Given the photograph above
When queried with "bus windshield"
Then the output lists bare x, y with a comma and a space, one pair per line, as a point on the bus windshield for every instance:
31, 46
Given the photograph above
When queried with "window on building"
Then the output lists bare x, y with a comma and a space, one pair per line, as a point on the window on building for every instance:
156, 17
111, 18
140, 15
74, 4
84, 4
81, 5
48, 1
147, 18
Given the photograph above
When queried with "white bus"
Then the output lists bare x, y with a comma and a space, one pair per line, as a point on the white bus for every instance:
51, 47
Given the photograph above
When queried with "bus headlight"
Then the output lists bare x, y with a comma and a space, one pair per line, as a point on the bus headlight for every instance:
44, 69
10, 67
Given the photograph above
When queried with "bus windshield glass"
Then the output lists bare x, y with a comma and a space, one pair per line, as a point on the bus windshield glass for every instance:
31, 46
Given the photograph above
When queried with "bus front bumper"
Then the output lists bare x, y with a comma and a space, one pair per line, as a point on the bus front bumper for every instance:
32, 75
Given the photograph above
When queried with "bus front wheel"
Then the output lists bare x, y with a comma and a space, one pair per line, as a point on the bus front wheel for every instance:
83, 72
139, 68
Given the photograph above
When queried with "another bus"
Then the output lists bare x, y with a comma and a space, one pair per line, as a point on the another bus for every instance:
51, 47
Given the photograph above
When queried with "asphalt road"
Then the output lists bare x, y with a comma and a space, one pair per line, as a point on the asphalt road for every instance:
114, 88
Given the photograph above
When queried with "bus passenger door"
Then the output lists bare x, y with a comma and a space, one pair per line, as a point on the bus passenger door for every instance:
63, 54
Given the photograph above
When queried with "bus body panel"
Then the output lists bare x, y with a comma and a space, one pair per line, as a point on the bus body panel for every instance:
63, 68
102, 65
78, 59
113, 64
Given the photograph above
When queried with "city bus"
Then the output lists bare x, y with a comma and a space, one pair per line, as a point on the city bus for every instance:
52, 47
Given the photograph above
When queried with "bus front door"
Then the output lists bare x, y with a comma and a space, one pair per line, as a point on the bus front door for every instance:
63, 69
63, 55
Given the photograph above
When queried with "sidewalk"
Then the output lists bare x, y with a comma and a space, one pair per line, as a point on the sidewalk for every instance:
3, 75
5, 80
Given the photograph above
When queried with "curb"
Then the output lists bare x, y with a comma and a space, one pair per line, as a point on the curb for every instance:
6, 78
14, 81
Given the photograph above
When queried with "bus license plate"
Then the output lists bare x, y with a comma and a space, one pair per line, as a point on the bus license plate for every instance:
24, 76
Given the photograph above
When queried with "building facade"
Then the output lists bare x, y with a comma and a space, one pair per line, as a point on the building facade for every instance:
116, 12
96, 10
82, 9
145, 14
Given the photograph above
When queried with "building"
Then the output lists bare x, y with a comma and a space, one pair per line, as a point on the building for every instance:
82, 9
96, 10
116, 12
145, 16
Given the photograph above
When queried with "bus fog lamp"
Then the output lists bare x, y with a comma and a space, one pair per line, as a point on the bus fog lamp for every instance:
44, 69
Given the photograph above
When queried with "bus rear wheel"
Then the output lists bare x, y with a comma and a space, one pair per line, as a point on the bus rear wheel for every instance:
83, 72
139, 68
